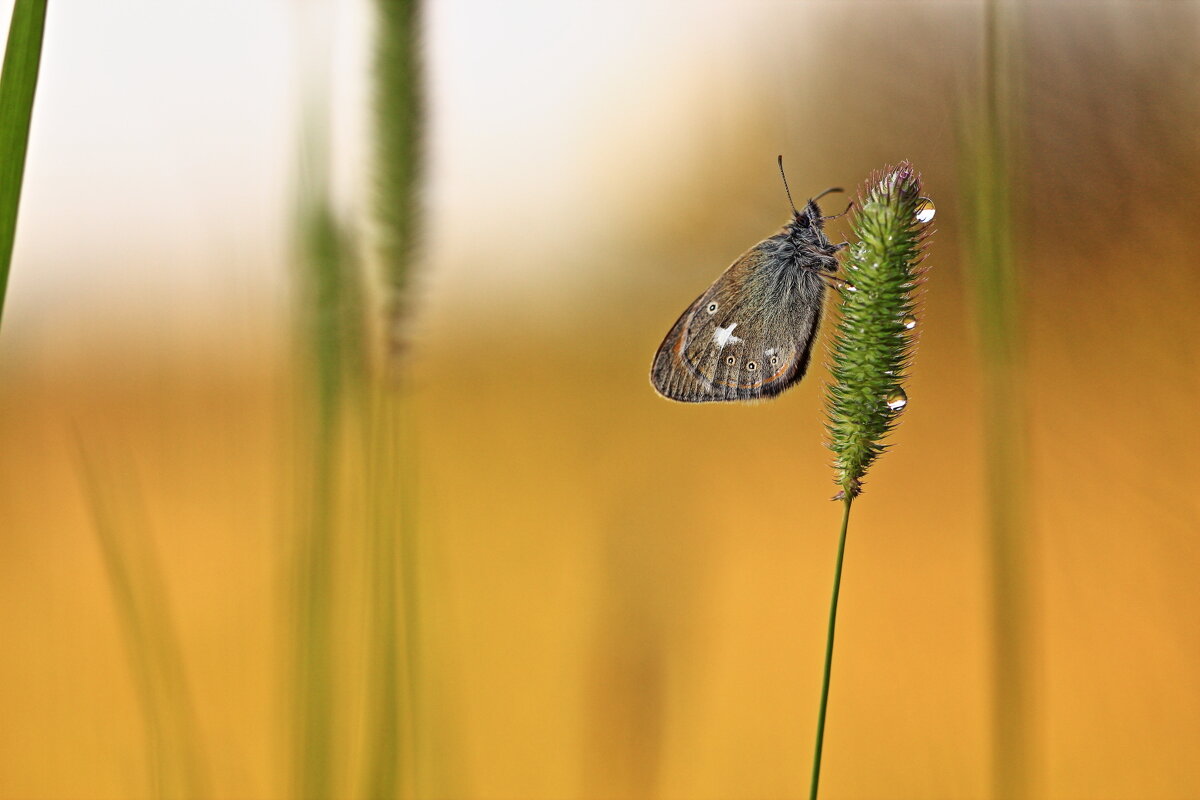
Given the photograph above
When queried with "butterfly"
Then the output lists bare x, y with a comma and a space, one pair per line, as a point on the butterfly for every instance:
751, 334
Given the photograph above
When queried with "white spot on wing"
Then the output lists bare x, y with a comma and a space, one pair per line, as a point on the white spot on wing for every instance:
771, 352
724, 336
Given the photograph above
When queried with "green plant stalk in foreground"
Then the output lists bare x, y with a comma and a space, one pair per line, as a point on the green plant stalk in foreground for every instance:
399, 126
872, 349
332, 365
393, 752
18, 84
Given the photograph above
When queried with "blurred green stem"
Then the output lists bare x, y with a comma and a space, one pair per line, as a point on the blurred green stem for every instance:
139, 589
833, 605
393, 753
988, 188
18, 85
399, 126
315, 566
393, 613
331, 317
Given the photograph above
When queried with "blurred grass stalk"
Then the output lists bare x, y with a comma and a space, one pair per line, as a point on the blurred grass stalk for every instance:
18, 85
988, 176
140, 596
390, 766
394, 753
398, 113
366, 415
332, 337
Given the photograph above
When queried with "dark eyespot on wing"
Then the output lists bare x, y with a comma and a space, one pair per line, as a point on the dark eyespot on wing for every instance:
764, 372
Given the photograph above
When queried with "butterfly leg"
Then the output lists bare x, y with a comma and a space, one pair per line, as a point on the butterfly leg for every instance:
838, 283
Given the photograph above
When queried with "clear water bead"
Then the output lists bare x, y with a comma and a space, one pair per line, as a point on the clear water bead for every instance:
909, 321
925, 210
897, 400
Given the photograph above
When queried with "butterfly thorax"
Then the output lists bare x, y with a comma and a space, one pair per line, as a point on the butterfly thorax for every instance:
805, 234
800, 247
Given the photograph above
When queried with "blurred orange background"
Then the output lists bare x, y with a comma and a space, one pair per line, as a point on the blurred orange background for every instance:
619, 597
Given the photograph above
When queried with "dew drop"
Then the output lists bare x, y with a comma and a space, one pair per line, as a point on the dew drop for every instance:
897, 400
909, 321
925, 209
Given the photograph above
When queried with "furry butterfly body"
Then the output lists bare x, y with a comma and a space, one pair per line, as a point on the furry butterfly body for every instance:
751, 334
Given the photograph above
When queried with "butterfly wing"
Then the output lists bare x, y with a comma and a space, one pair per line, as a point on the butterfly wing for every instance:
749, 336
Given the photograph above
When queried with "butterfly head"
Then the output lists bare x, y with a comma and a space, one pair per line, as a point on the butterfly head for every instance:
807, 217
804, 235
807, 221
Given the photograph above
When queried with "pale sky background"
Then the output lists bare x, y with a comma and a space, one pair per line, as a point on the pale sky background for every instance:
160, 177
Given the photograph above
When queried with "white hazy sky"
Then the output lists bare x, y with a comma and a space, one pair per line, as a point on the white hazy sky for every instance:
160, 167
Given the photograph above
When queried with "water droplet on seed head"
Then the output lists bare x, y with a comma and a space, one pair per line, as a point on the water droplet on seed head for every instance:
925, 210
897, 400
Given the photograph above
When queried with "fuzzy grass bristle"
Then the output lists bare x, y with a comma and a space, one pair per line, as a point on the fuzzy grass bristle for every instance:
876, 331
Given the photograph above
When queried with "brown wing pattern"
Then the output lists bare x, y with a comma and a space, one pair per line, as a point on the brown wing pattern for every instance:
737, 341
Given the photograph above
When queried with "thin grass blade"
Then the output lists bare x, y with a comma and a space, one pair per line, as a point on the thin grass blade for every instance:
18, 85
175, 759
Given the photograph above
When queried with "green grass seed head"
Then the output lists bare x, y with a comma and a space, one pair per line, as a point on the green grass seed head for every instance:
873, 341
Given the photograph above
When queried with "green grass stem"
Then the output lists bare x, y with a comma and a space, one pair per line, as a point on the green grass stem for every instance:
833, 605
399, 109
390, 767
333, 354
18, 85
393, 749
988, 146
140, 597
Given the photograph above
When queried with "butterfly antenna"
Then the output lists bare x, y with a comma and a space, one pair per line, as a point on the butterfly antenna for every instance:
785, 186
828, 191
